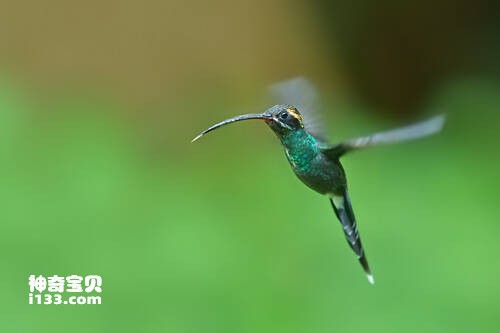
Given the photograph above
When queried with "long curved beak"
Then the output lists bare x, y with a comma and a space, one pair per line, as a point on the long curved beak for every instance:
232, 120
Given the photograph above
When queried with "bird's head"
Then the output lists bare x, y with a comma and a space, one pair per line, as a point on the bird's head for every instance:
282, 119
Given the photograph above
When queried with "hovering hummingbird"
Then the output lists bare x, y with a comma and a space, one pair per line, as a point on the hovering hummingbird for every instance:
317, 163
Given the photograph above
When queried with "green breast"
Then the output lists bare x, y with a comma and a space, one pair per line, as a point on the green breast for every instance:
300, 148
313, 168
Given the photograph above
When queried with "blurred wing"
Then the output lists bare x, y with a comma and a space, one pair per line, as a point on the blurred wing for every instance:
300, 93
411, 132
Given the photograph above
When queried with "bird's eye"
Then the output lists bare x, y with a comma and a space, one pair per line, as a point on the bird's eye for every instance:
284, 115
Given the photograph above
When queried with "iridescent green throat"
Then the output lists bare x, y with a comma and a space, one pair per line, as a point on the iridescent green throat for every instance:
301, 147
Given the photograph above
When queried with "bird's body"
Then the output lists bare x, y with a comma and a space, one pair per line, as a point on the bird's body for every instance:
317, 163
311, 162
311, 165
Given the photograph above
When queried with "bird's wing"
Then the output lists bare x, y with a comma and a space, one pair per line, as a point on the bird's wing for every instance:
407, 133
300, 93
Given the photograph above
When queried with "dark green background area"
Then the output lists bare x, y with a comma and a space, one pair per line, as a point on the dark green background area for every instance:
99, 101
219, 236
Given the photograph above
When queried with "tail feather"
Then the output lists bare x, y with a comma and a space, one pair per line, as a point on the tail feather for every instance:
342, 206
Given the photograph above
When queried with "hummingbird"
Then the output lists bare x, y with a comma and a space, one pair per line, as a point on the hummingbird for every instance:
315, 161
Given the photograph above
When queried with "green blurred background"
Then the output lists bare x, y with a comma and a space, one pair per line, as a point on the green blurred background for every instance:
98, 103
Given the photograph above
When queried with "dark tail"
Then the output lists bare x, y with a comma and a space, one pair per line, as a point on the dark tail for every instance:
342, 206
